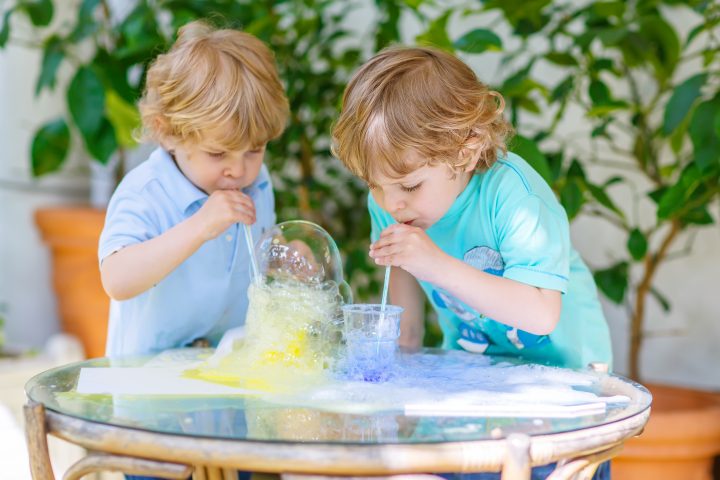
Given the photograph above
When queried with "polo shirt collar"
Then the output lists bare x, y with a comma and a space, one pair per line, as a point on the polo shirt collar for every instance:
184, 193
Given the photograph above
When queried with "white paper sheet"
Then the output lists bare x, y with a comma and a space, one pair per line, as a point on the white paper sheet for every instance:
148, 381
512, 410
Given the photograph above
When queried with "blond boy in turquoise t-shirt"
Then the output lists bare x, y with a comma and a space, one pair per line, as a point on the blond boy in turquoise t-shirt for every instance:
463, 222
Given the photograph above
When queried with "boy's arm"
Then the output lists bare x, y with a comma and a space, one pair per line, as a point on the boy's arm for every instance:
138, 267
534, 310
406, 292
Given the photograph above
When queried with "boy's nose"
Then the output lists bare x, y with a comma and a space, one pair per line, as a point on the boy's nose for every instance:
394, 203
236, 170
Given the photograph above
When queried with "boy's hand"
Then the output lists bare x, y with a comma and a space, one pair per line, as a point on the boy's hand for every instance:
409, 248
224, 208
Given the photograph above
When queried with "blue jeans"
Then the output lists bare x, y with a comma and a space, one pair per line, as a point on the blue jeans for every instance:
538, 473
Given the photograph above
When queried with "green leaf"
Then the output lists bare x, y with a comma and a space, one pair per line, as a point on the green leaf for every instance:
52, 57
5, 28
563, 89
662, 300
86, 101
86, 24
50, 147
705, 138
674, 198
561, 58
599, 93
575, 170
478, 41
603, 199
39, 11
571, 197
608, 9
529, 150
102, 144
697, 216
613, 281
681, 101
664, 44
436, 34
124, 118
637, 244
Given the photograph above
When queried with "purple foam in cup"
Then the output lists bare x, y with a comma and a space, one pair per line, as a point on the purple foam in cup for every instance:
371, 335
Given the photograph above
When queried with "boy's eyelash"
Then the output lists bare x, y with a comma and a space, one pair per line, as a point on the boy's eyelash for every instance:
410, 189
216, 154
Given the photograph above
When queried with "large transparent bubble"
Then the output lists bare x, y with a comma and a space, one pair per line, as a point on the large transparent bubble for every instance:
300, 251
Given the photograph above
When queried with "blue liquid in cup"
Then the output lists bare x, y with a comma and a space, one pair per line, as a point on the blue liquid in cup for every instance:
370, 359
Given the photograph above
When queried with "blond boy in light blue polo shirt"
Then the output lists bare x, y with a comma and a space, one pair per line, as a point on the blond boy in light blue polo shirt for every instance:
172, 254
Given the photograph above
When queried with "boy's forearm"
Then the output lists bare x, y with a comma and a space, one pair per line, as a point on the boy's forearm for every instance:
513, 303
137, 268
407, 293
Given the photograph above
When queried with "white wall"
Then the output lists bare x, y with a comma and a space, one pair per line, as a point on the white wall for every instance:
688, 357
25, 287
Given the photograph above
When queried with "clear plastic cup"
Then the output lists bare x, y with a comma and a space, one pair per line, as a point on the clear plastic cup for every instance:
371, 339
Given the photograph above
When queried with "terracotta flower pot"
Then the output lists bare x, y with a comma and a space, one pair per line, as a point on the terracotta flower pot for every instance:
680, 439
72, 234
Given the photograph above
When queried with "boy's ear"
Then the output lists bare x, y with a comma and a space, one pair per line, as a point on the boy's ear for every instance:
469, 154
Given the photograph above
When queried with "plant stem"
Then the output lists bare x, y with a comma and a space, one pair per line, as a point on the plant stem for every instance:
652, 261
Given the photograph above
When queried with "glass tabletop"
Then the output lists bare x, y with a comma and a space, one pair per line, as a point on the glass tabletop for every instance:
432, 396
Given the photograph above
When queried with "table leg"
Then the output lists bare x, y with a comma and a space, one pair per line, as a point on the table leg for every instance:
36, 435
517, 458
583, 468
101, 462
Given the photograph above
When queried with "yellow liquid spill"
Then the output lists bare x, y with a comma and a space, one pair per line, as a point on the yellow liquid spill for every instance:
291, 338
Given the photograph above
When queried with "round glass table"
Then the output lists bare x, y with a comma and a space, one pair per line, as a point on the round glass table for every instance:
440, 412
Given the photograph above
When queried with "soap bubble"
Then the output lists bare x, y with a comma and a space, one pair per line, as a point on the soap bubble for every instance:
301, 251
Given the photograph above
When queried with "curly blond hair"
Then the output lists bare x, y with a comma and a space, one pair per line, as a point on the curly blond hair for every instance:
422, 100
214, 80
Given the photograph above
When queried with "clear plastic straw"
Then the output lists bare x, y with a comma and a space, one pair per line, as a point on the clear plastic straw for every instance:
383, 303
251, 251
386, 284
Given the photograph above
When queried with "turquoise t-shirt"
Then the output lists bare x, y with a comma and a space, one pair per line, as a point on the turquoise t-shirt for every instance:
508, 222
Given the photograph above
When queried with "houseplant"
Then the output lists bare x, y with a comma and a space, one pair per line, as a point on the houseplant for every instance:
96, 59
651, 97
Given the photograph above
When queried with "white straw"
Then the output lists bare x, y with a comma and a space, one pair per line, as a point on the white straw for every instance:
386, 284
251, 251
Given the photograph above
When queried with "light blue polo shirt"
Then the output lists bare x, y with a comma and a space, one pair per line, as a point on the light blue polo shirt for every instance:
508, 222
206, 294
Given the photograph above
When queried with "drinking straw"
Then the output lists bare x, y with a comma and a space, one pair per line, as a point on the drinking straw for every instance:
386, 284
251, 250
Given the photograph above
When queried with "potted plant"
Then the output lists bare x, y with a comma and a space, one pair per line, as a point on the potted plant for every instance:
651, 97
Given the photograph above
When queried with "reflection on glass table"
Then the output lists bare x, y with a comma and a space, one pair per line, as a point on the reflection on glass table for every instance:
440, 411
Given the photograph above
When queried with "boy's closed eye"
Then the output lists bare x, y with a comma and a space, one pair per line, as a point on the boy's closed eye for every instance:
411, 188
218, 155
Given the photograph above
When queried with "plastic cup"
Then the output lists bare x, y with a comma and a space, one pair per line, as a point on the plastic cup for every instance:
371, 336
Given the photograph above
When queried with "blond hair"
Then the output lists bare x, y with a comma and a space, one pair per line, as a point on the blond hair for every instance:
214, 80
423, 100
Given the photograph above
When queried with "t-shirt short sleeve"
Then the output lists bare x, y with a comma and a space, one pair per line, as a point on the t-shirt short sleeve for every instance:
129, 220
534, 239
